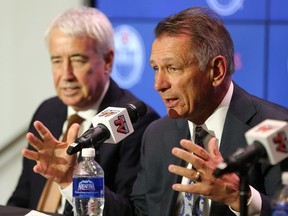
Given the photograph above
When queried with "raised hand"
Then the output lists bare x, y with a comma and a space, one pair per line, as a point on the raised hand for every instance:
51, 158
224, 189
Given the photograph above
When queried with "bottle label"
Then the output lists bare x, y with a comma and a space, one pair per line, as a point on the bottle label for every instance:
87, 187
280, 210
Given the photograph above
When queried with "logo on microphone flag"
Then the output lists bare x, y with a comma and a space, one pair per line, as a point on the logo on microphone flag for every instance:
272, 134
108, 112
117, 121
265, 128
281, 141
122, 124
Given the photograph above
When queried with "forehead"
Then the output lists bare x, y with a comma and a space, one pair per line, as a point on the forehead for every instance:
61, 41
170, 47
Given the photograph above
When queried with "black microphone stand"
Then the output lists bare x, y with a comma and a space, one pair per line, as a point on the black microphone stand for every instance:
244, 191
241, 162
242, 171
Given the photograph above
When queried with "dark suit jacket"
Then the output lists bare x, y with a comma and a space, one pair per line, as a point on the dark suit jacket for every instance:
120, 162
152, 194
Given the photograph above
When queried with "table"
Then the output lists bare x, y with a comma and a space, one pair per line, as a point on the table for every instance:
16, 211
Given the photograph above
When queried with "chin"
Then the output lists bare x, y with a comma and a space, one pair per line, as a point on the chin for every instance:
70, 102
173, 114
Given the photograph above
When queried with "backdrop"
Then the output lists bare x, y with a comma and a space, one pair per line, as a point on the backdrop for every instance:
259, 29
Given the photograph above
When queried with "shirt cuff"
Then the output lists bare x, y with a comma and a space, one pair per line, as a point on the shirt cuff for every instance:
254, 203
67, 193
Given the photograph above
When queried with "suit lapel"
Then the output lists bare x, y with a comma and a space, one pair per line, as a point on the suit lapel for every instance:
56, 117
112, 97
172, 138
240, 111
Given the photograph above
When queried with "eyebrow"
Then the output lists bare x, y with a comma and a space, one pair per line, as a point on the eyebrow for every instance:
151, 61
80, 55
72, 56
165, 60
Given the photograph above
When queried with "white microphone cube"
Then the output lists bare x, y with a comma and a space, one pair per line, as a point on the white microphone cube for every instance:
117, 121
272, 134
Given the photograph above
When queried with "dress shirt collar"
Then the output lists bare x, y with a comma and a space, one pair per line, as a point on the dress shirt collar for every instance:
215, 123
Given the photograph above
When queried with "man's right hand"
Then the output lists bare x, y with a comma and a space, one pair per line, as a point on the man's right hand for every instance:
51, 158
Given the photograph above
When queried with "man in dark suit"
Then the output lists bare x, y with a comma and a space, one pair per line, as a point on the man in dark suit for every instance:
82, 51
193, 59
167, 134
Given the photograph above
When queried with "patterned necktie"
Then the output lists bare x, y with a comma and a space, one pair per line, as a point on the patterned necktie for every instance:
194, 204
50, 197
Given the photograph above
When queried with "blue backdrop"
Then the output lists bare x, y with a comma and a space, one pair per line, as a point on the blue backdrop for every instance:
258, 29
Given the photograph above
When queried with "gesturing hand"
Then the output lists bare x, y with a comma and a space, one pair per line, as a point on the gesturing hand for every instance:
224, 189
51, 158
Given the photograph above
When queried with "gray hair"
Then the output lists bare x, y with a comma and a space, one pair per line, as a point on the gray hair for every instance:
209, 37
85, 21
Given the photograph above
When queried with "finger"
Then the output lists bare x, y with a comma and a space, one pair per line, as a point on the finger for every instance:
73, 133
42, 170
182, 171
190, 188
195, 148
29, 154
51, 173
38, 169
213, 148
34, 141
43, 131
196, 160
183, 154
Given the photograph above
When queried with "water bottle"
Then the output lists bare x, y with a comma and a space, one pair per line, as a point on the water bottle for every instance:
280, 199
88, 186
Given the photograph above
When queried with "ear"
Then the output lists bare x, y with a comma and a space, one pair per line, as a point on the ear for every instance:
109, 58
218, 70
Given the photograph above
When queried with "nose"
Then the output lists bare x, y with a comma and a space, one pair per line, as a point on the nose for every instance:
161, 82
67, 72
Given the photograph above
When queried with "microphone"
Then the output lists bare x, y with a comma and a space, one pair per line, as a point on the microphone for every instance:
267, 143
111, 125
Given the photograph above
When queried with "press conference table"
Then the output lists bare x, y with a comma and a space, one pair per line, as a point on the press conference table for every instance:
15, 211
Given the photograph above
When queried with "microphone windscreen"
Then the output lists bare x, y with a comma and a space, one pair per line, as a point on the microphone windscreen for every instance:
136, 110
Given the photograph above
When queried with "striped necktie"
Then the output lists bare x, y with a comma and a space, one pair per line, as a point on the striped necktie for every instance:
195, 204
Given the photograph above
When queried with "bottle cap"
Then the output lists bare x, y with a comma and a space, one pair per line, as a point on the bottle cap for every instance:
88, 152
285, 178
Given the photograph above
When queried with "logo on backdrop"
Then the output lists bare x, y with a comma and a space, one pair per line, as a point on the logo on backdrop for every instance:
225, 8
129, 56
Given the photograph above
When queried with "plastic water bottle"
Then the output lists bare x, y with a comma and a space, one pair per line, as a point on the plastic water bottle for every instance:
88, 186
280, 199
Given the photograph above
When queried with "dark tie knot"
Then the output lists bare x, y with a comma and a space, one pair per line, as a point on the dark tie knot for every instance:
200, 134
